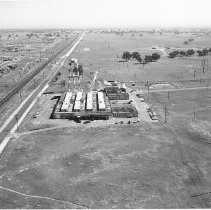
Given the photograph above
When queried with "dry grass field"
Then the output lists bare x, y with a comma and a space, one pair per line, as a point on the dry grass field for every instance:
145, 165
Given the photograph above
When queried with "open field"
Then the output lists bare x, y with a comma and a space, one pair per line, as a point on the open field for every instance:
147, 166
105, 50
60, 164
22, 51
188, 110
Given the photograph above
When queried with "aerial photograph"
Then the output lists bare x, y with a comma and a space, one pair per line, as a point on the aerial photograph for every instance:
105, 104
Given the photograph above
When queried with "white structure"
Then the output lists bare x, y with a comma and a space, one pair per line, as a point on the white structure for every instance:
74, 60
79, 96
89, 101
101, 103
77, 106
66, 102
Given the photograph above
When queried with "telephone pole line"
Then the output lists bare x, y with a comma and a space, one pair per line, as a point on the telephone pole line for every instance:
165, 112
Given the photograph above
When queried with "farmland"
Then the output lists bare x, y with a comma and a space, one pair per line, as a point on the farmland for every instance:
61, 164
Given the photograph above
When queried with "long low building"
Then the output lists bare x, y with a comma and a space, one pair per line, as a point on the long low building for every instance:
77, 106
89, 101
66, 102
101, 102
79, 96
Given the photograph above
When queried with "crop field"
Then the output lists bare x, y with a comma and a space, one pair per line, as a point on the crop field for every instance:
99, 165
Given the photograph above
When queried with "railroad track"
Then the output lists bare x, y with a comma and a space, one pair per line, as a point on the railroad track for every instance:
27, 79
16, 118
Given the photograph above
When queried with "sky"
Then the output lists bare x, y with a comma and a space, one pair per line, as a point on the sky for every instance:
104, 13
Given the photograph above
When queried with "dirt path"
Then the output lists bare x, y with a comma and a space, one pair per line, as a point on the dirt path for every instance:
178, 89
72, 205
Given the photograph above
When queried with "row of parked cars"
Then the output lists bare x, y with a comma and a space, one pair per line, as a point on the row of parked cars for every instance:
152, 114
129, 122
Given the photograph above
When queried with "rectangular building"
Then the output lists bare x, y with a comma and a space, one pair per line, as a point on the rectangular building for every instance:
66, 102
101, 102
89, 101
79, 96
77, 106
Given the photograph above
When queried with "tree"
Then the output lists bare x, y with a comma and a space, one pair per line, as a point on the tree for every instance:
190, 52
205, 51
174, 54
135, 55
126, 56
139, 59
182, 53
155, 56
171, 55
80, 69
63, 82
148, 58
199, 52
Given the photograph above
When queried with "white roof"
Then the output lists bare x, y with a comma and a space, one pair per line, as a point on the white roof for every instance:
66, 101
101, 102
89, 101
77, 105
79, 96
75, 60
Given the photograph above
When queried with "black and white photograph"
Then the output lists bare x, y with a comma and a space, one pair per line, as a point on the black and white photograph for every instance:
105, 104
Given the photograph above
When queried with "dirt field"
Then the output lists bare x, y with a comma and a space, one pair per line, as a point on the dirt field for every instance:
189, 110
144, 165
147, 166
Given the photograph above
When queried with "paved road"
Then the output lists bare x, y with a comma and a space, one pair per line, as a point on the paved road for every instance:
178, 89
19, 114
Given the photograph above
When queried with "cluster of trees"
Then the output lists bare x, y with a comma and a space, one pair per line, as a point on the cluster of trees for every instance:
189, 52
189, 40
30, 35
136, 55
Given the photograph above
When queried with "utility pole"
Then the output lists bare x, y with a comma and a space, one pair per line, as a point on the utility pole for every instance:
203, 66
207, 65
165, 112
168, 95
194, 115
148, 90
194, 74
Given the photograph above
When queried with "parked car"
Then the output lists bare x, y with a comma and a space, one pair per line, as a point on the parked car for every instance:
121, 122
86, 122
149, 109
142, 100
130, 101
139, 95
153, 115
